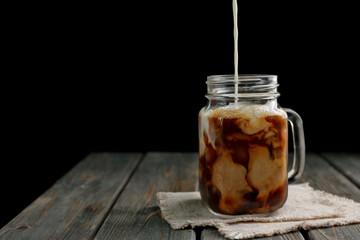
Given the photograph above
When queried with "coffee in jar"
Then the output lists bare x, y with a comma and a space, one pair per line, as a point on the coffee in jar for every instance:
243, 158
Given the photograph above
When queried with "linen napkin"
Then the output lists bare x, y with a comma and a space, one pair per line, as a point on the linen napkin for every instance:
305, 208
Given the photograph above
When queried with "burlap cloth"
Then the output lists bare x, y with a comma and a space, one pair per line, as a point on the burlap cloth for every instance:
305, 208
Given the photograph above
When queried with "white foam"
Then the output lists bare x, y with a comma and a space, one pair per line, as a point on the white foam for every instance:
249, 110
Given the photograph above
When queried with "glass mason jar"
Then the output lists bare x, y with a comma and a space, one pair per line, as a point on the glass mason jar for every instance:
243, 146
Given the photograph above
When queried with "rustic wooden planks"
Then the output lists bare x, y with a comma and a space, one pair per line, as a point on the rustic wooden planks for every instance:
350, 232
112, 196
322, 176
135, 214
347, 163
76, 205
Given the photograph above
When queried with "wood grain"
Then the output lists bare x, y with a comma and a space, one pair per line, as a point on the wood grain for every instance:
76, 205
347, 163
112, 196
135, 214
350, 232
323, 176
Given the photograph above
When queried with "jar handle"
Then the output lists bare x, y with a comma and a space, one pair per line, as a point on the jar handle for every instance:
297, 129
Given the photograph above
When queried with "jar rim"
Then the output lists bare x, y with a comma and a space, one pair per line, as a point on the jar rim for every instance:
247, 86
241, 78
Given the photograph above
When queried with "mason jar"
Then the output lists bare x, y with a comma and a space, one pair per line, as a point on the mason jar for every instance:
243, 146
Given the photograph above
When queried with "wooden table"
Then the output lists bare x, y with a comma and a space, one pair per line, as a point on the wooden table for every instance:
112, 196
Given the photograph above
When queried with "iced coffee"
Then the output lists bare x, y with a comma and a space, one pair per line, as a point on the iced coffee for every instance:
243, 158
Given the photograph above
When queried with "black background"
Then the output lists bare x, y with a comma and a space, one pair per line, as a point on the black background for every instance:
131, 77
